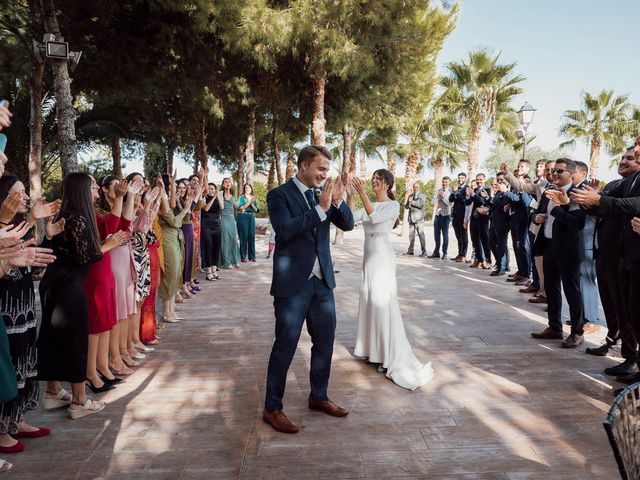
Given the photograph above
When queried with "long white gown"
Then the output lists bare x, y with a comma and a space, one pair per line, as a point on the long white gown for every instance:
381, 336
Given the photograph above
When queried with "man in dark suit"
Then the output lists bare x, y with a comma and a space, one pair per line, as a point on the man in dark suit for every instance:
479, 223
303, 280
519, 221
623, 202
608, 253
459, 198
499, 229
563, 250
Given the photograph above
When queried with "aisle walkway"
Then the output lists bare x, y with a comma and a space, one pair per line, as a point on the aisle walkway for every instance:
502, 406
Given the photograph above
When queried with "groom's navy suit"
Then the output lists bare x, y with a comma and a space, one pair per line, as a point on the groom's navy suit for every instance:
301, 238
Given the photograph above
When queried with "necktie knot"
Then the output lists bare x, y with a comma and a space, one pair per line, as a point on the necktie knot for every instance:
311, 198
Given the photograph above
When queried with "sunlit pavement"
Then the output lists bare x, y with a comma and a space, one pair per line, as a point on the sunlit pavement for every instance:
501, 406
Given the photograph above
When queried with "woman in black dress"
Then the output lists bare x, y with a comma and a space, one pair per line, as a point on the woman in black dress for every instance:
210, 232
63, 339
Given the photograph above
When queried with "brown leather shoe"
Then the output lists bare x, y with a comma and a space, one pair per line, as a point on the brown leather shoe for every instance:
475, 265
538, 299
528, 289
548, 334
515, 278
279, 421
457, 258
328, 407
590, 327
525, 282
573, 341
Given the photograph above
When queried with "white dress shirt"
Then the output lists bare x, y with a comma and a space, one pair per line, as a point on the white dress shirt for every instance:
316, 270
548, 223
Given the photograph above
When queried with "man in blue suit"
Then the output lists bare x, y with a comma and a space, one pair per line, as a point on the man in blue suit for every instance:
303, 280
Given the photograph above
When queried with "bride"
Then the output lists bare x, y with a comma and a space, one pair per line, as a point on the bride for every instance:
381, 337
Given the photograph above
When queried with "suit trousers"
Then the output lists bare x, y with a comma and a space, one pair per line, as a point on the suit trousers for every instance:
316, 304
629, 311
521, 249
441, 228
558, 276
499, 239
247, 233
535, 273
479, 227
461, 235
589, 288
416, 228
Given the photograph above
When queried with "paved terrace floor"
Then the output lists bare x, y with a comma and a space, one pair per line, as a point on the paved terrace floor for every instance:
502, 406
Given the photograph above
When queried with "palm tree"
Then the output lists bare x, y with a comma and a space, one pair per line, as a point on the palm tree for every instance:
603, 120
483, 89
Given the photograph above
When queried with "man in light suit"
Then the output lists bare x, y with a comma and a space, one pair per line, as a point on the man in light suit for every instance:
303, 281
588, 287
442, 218
415, 204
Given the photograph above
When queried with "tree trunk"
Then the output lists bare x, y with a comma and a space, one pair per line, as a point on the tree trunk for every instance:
318, 121
251, 144
437, 170
409, 180
116, 155
275, 146
171, 147
35, 130
271, 180
391, 158
65, 114
240, 175
353, 161
346, 167
363, 165
594, 158
202, 142
291, 166
474, 150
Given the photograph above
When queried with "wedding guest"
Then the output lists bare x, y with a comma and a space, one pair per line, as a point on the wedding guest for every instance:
229, 249
247, 208
173, 250
563, 250
519, 222
499, 229
211, 232
588, 285
442, 212
459, 200
17, 307
62, 343
8, 385
415, 204
196, 213
479, 224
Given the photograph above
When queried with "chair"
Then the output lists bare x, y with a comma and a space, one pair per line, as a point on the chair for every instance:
623, 429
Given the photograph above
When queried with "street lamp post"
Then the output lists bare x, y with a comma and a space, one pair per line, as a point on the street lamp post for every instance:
525, 115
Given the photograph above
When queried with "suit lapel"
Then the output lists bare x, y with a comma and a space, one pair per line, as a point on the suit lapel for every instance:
295, 191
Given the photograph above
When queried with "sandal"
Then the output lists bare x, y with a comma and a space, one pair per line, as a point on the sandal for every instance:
5, 466
210, 277
129, 362
143, 348
88, 408
179, 298
216, 275
122, 372
56, 400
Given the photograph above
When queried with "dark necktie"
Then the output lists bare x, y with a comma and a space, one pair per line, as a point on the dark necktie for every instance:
311, 199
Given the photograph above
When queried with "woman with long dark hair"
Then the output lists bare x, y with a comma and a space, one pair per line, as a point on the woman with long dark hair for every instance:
247, 209
17, 307
62, 344
184, 191
229, 250
381, 336
210, 232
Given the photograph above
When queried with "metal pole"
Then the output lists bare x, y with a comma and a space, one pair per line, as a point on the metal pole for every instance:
524, 144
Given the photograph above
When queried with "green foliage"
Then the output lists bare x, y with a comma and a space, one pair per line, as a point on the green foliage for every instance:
154, 159
260, 192
428, 188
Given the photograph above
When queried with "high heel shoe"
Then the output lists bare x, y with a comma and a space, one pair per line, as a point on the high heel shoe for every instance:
143, 348
104, 388
187, 293
179, 298
128, 361
210, 277
110, 381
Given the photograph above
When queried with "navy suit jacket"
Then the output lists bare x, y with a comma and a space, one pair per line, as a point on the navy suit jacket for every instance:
300, 238
519, 202
499, 218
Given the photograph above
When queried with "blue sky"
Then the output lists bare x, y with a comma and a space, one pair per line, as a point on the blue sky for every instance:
562, 47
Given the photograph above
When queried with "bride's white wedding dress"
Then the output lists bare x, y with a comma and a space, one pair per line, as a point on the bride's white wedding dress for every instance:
381, 337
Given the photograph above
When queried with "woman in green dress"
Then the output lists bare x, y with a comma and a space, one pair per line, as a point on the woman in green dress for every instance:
229, 248
247, 209
173, 248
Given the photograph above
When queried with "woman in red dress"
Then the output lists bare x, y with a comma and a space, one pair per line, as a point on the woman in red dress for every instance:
100, 290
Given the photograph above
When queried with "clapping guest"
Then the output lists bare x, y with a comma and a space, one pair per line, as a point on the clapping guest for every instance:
479, 225
185, 192
62, 344
442, 218
211, 232
414, 203
229, 249
499, 230
17, 307
247, 208
459, 200
519, 202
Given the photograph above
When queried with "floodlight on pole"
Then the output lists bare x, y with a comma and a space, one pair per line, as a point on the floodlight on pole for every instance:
50, 47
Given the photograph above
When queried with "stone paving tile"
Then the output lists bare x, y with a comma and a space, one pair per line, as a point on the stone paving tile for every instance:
501, 407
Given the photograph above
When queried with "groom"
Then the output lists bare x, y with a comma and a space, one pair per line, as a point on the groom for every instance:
303, 280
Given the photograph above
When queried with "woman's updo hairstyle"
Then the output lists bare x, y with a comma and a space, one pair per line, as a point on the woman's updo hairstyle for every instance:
389, 179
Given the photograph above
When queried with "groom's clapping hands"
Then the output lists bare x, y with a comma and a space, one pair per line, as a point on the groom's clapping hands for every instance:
326, 195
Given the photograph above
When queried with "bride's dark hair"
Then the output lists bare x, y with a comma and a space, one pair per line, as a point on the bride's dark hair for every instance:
389, 179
